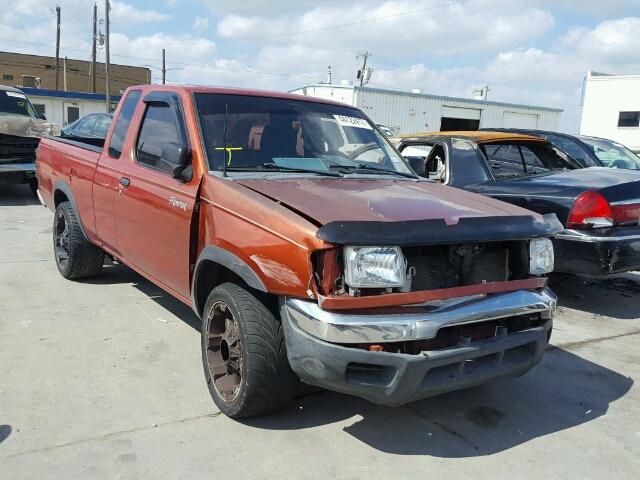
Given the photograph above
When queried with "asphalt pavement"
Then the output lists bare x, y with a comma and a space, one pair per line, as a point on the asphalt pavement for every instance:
102, 379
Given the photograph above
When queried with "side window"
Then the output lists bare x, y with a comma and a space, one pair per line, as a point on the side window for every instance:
102, 126
122, 123
573, 149
159, 127
505, 160
531, 160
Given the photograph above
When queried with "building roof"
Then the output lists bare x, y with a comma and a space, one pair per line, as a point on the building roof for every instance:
481, 136
43, 92
430, 96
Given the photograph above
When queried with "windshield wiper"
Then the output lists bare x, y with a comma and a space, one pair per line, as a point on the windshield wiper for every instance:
371, 168
276, 168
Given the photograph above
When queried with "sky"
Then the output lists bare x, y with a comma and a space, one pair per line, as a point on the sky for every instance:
528, 51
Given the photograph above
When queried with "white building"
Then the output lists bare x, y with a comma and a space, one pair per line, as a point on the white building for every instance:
66, 107
411, 112
612, 108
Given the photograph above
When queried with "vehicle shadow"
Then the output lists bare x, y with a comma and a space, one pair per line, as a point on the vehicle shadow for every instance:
114, 273
17, 196
617, 296
564, 391
5, 431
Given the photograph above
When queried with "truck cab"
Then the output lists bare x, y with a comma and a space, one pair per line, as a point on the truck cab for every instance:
306, 259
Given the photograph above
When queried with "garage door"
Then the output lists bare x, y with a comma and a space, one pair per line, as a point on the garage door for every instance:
456, 118
520, 120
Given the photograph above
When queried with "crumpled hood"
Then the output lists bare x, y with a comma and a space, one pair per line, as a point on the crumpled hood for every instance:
386, 200
21, 126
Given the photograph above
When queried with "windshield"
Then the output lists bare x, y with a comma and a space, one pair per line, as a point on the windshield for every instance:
16, 103
255, 133
613, 154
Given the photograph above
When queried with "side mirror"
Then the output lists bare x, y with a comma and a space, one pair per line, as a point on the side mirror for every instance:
418, 165
176, 159
42, 116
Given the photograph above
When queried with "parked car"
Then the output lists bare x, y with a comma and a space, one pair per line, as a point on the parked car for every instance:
599, 207
302, 260
587, 151
20, 130
92, 126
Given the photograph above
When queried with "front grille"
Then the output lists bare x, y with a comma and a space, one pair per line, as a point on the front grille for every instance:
18, 147
457, 265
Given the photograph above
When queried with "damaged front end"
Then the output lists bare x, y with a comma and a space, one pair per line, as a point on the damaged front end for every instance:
453, 306
19, 139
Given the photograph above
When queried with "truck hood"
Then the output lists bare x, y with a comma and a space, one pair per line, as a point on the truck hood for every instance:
325, 200
21, 126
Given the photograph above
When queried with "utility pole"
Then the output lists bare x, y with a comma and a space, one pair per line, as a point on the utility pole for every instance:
64, 74
93, 48
364, 73
164, 68
329, 74
107, 7
57, 45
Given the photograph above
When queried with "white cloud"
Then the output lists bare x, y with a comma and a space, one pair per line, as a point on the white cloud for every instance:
124, 13
201, 24
455, 27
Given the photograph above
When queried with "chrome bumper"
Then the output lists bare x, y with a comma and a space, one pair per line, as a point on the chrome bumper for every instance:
415, 322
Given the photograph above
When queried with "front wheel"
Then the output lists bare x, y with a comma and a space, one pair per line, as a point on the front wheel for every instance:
243, 354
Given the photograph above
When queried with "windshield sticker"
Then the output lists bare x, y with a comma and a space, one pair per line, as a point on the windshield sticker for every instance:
356, 122
16, 94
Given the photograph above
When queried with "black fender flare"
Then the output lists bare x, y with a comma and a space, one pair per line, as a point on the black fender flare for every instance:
228, 260
66, 189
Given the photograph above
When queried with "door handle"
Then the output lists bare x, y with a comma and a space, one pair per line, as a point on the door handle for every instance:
125, 182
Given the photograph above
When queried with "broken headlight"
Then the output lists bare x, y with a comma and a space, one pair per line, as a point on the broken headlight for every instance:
540, 256
374, 267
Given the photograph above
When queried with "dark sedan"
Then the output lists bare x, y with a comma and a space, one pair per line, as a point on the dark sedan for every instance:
93, 126
587, 151
599, 207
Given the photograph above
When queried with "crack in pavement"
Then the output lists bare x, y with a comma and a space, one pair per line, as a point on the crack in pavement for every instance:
109, 435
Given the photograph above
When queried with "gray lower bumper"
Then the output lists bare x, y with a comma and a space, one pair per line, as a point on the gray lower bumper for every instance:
17, 172
397, 378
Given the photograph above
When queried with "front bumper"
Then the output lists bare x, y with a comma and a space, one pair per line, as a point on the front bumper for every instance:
397, 378
12, 173
598, 252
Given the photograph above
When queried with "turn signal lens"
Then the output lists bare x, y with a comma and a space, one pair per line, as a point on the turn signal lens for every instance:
626, 214
590, 210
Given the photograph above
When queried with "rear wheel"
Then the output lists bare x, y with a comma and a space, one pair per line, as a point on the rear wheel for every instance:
243, 354
75, 256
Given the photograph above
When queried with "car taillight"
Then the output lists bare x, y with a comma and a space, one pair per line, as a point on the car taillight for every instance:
590, 210
626, 214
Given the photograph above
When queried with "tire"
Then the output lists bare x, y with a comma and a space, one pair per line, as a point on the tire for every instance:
75, 256
243, 354
33, 185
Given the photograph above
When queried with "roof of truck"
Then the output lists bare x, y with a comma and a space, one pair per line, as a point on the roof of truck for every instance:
238, 91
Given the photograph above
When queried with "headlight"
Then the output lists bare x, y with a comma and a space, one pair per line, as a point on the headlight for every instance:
540, 256
374, 267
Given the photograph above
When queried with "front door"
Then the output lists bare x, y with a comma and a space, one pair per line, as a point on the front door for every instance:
153, 209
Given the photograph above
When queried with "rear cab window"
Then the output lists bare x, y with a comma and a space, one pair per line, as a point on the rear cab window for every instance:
122, 123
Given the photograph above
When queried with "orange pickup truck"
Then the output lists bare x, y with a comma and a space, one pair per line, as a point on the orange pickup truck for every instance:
307, 257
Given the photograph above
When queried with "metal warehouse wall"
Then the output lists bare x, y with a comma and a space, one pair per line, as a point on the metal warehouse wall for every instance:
411, 113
